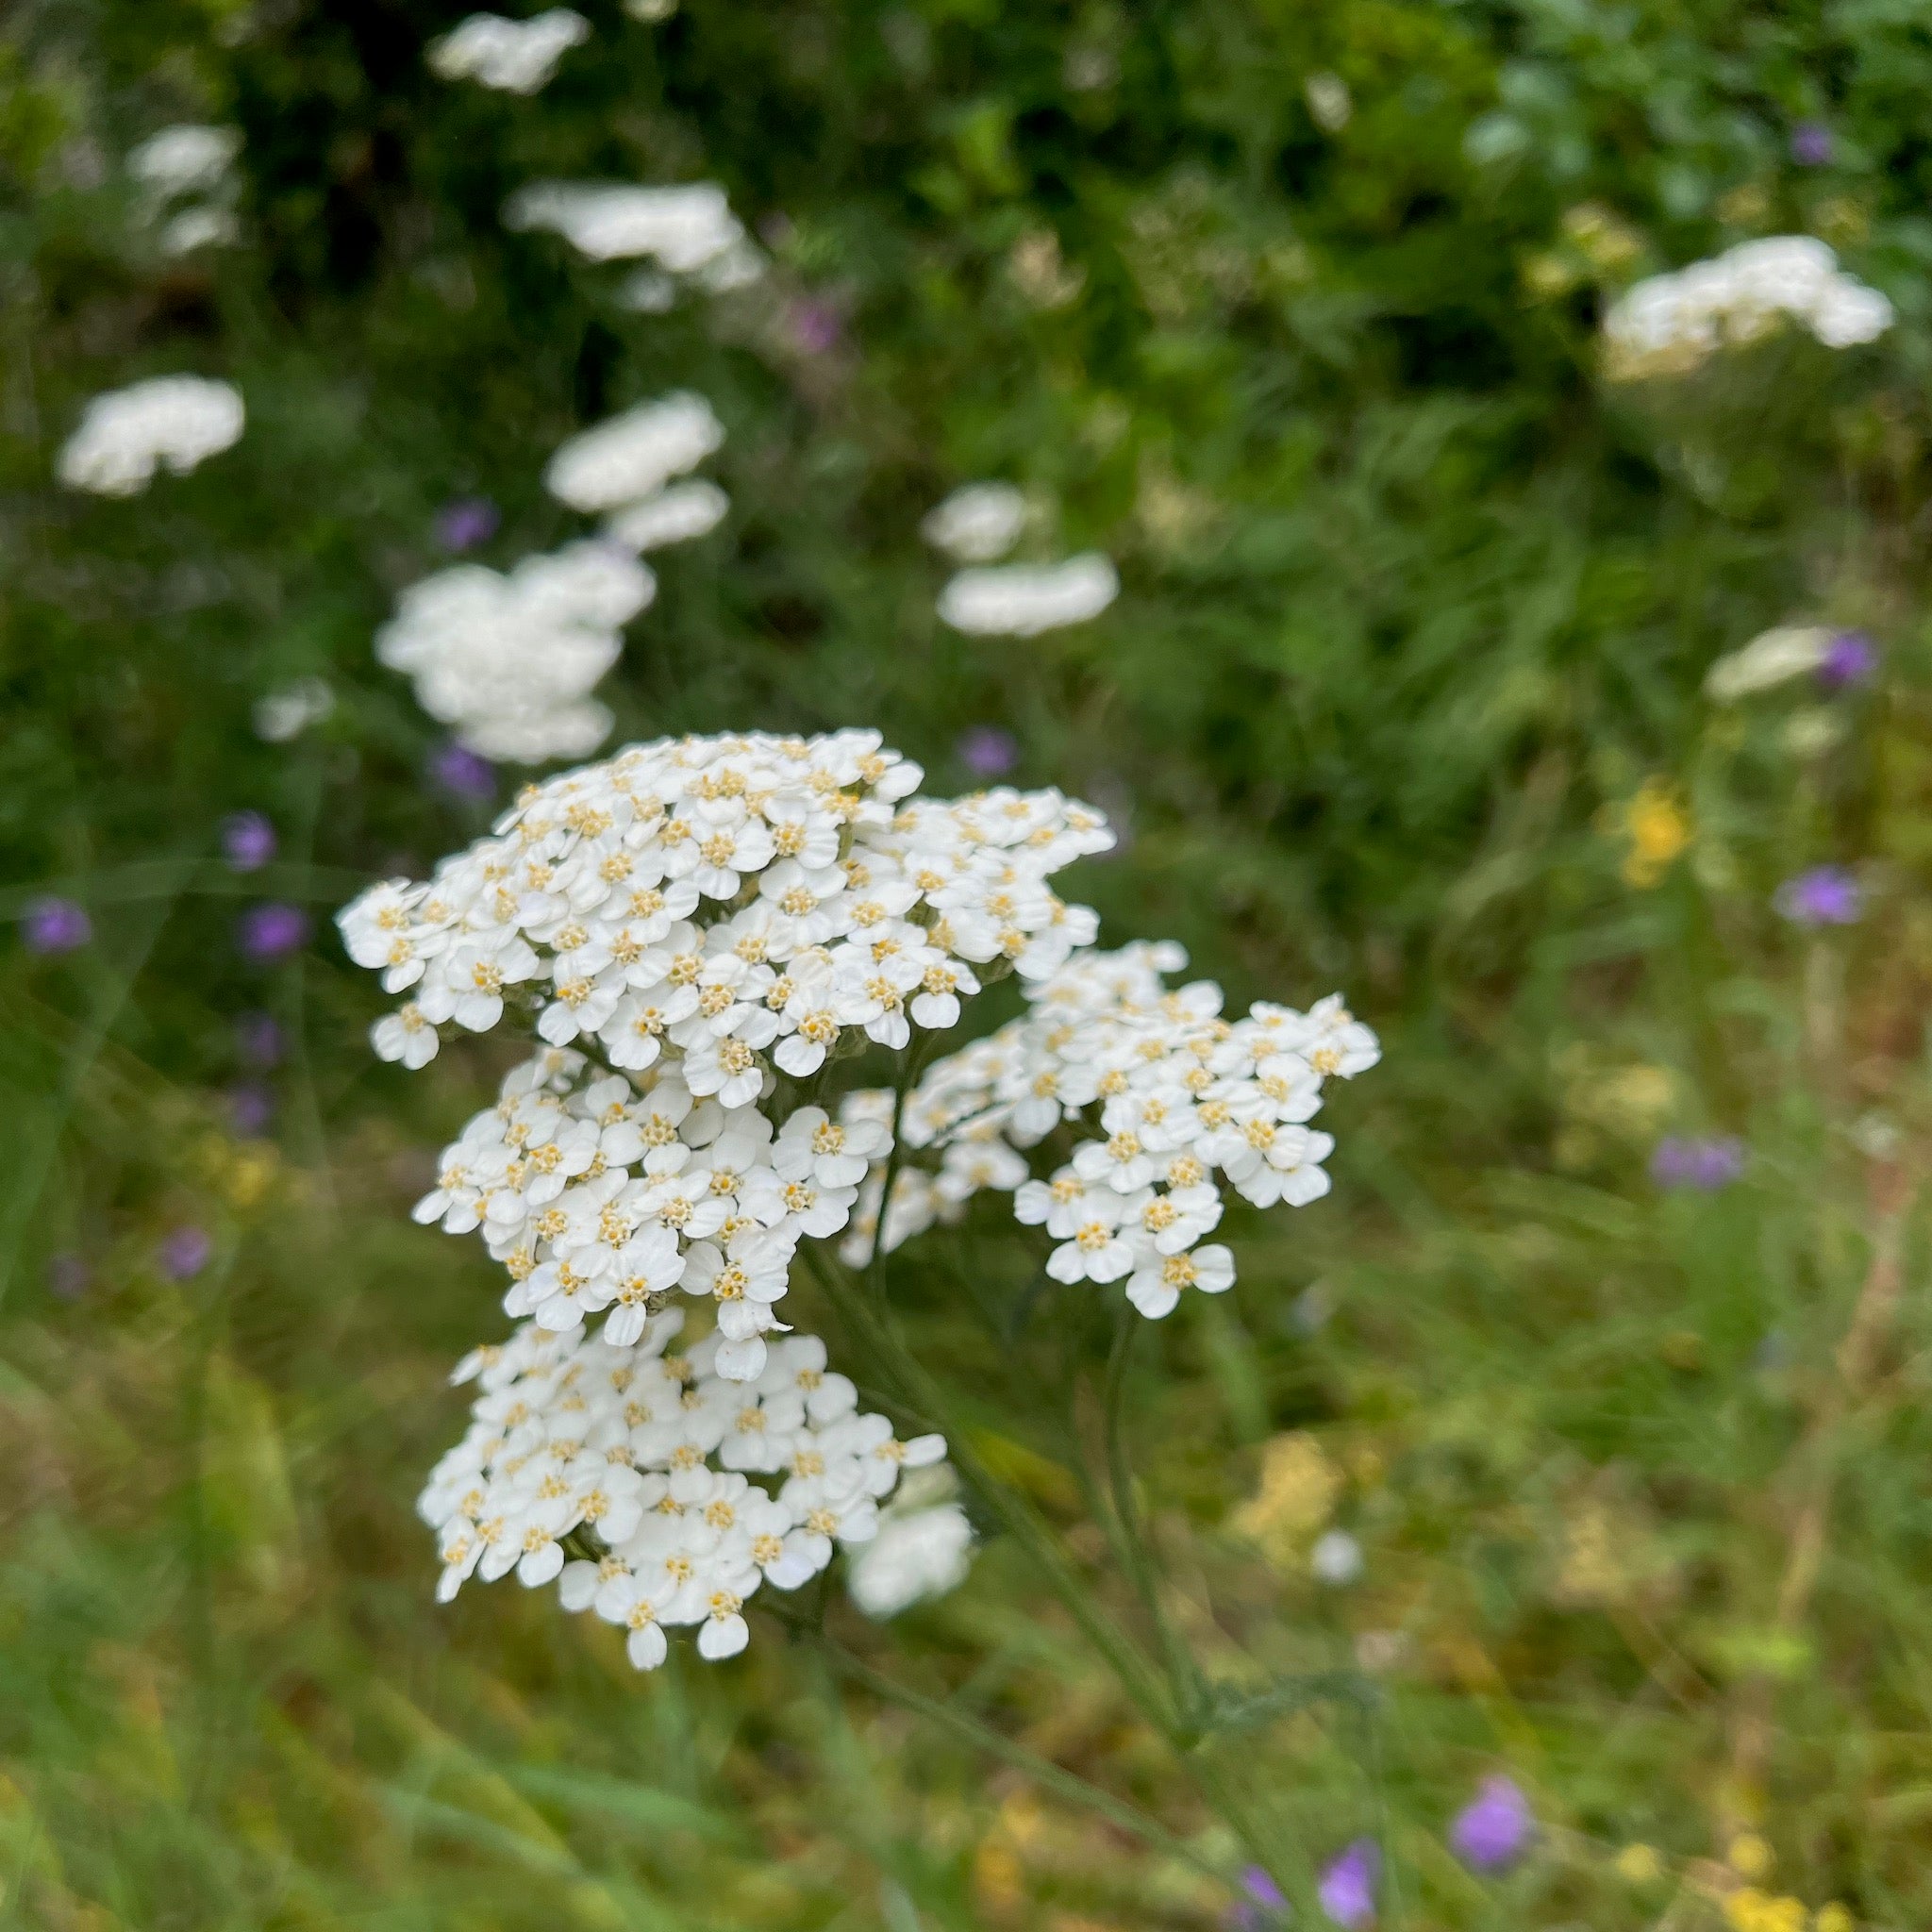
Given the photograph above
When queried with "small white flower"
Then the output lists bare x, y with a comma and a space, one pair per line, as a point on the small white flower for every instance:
517, 56
677, 515
977, 523
172, 422
630, 457
922, 1552
1021, 600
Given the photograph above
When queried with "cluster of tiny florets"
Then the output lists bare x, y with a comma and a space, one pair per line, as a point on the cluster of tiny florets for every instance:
1672, 323
1157, 1100
704, 915
655, 1492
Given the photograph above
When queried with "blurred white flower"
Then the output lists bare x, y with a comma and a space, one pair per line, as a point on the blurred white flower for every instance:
1772, 657
677, 515
517, 55
285, 714
633, 456
1329, 102
1672, 323
1337, 1557
1023, 600
917, 1554
648, 291
977, 523
185, 160
650, 12
509, 660
682, 228
199, 227
173, 421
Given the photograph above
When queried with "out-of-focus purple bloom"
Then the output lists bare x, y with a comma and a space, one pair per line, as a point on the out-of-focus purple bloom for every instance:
1263, 1905
1826, 895
68, 1276
988, 751
185, 1251
462, 772
56, 926
1706, 1162
1490, 1832
466, 522
259, 1039
1347, 1890
1851, 657
248, 841
273, 931
815, 326
1811, 144
251, 1107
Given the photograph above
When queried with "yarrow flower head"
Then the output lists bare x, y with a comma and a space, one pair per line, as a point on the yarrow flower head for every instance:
509, 660
172, 422
516, 56
1673, 322
687, 230
1021, 600
699, 931
979, 523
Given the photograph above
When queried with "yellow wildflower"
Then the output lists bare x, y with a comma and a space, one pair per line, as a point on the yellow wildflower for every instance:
1749, 1854
1640, 1864
1659, 829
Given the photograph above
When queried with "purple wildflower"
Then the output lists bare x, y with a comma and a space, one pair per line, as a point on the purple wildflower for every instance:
1490, 1832
1851, 657
251, 1109
1706, 1162
56, 926
1811, 144
462, 772
185, 1251
68, 1276
271, 931
816, 328
259, 1039
1825, 895
987, 751
1264, 1903
248, 841
1347, 1890
466, 522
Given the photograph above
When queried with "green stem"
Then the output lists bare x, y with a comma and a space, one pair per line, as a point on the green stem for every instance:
1189, 1690
1043, 1771
1020, 1518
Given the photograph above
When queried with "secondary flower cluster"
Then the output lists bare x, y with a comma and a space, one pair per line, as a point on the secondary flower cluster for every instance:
627, 1474
979, 523
622, 466
517, 56
1158, 1094
686, 229
509, 659
185, 176
172, 422
1672, 323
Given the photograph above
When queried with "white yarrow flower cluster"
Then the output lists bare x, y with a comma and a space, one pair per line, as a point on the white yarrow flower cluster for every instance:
517, 56
622, 466
172, 422
1673, 322
1771, 659
189, 163
1159, 1102
1021, 600
686, 229
652, 1490
509, 660
705, 914
977, 523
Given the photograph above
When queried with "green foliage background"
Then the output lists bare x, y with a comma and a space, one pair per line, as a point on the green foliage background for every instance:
1414, 605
